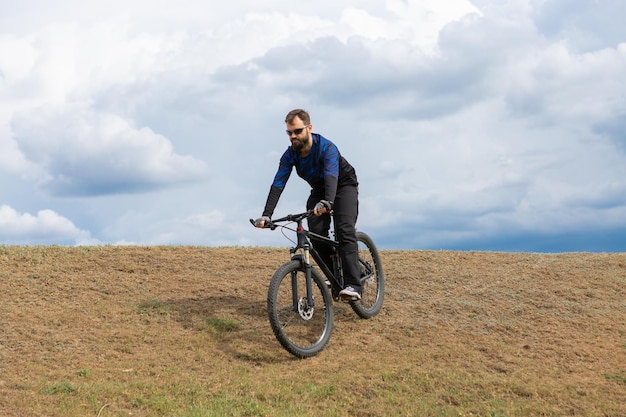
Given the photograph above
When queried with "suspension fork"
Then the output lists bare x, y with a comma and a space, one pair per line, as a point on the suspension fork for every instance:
307, 276
305, 261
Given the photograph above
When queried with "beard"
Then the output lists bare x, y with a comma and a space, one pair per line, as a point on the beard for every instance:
299, 143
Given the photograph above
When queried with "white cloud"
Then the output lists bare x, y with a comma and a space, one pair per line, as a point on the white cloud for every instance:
47, 227
214, 227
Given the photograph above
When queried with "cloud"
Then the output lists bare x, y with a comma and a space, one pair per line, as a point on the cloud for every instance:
213, 228
46, 227
585, 26
613, 128
468, 122
86, 153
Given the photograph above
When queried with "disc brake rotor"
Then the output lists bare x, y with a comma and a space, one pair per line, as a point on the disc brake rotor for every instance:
304, 310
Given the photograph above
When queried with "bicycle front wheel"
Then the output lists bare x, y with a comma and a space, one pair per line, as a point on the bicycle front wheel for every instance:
373, 279
302, 329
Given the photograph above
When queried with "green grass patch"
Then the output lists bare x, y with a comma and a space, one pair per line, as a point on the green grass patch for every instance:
223, 325
63, 387
620, 377
151, 306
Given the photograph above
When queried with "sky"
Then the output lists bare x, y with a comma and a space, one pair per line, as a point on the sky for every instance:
494, 125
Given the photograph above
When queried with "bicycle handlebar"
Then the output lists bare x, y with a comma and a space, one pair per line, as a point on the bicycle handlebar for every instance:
272, 224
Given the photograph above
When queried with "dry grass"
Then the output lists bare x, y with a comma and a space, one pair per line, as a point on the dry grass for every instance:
182, 331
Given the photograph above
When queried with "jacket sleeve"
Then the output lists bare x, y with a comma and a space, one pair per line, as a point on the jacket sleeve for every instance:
272, 200
280, 180
331, 158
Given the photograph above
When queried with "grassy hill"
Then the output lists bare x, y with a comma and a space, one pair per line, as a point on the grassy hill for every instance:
183, 331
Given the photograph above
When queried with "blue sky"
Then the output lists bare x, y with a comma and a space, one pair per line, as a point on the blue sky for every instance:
473, 125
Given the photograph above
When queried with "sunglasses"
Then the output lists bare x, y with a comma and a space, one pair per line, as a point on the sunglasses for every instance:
295, 131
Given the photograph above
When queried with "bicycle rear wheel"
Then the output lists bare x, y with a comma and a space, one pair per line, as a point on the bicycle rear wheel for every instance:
301, 329
373, 279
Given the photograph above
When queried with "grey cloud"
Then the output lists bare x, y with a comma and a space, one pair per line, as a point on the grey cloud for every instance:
85, 153
585, 25
352, 76
615, 129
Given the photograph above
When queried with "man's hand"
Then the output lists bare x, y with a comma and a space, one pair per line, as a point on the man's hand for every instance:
261, 222
322, 207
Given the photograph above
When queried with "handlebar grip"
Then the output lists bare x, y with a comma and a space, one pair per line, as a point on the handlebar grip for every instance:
268, 225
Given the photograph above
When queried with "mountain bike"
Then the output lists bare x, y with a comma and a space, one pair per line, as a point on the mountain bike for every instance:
300, 299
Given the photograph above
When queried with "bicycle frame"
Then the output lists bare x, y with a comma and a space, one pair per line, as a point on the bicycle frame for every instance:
304, 238
303, 243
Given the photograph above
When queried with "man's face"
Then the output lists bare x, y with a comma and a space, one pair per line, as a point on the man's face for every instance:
298, 134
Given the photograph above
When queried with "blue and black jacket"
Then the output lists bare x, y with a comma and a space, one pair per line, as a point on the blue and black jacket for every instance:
323, 168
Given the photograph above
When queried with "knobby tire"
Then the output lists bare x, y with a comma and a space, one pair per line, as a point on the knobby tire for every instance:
306, 332
374, 285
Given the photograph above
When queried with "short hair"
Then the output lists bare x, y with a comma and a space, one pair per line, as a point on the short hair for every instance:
301, 114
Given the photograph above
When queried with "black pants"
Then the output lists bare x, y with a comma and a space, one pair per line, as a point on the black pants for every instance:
345, 213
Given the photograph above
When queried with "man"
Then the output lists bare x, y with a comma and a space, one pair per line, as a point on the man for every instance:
334, 186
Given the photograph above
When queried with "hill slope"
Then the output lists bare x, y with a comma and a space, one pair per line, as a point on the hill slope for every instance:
182, 331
